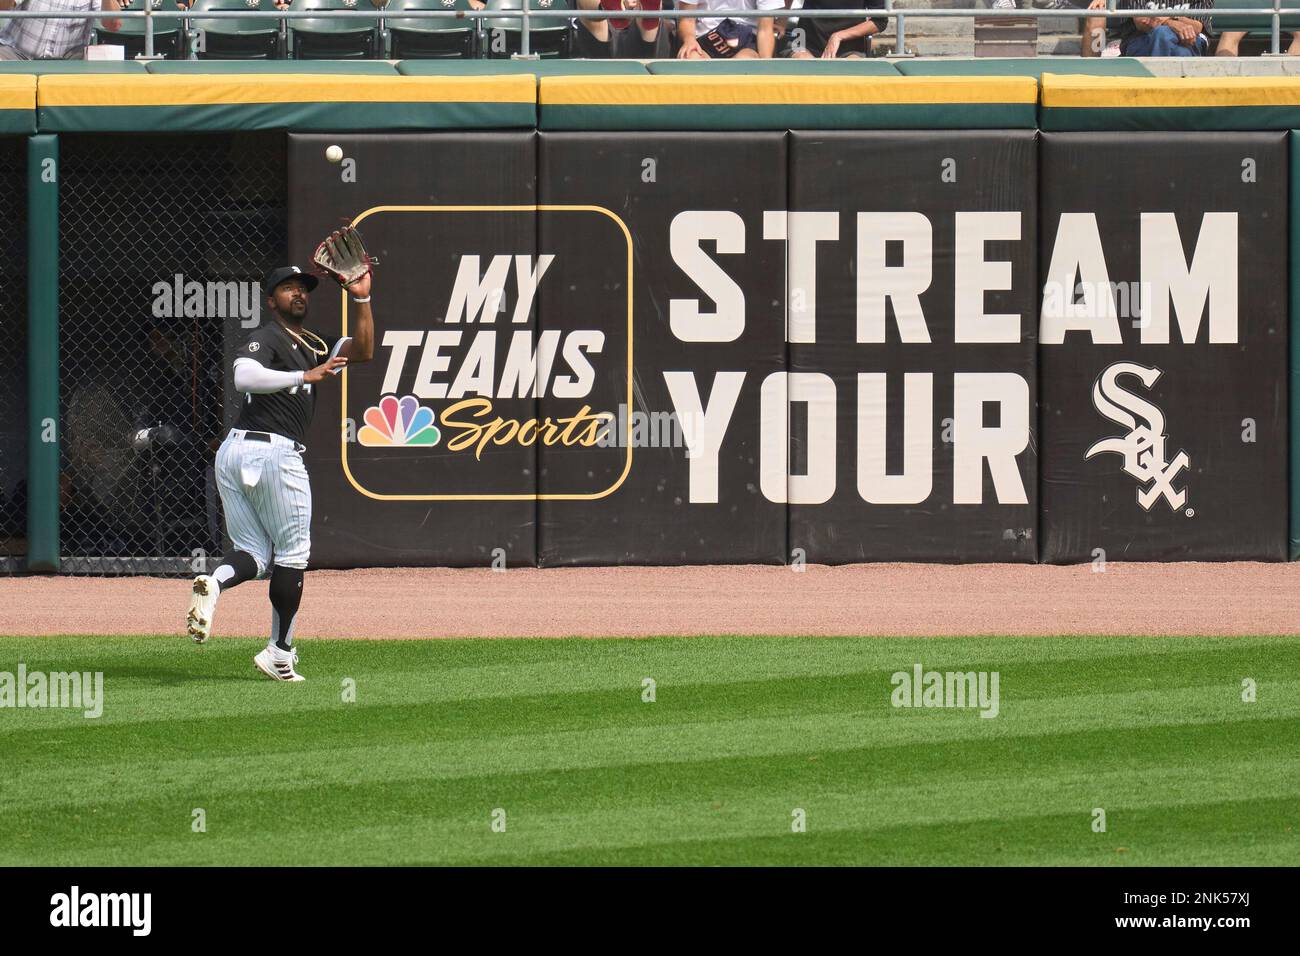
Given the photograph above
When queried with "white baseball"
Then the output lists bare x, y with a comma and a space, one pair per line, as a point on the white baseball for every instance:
334, 154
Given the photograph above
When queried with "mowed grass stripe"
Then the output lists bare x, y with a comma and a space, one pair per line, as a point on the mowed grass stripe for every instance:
1073, 755
399, 825
896, 781
69, 761
1155, 836
398, 707
570, 664
859, 701
414, 782
163, 675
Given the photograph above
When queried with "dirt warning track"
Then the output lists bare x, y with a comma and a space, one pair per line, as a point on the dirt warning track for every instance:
865, 599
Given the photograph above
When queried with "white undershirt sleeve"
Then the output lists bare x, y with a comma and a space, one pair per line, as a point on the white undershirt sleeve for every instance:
253, 377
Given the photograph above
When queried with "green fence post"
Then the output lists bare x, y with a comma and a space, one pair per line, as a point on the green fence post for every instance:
43, 353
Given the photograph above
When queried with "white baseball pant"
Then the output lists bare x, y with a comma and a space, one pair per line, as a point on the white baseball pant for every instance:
266, 495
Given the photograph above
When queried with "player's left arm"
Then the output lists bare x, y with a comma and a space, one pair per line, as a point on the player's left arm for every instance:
361, 346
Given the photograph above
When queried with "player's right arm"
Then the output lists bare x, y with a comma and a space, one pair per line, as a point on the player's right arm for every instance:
254, 377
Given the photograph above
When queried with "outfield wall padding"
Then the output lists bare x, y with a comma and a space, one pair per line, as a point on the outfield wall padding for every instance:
73, 67
1163, 346
923, 417
424, 203
701, 355
274, 67
913, 433
678, 264
1293, 274
17, 105
539, 68
204, 103
1217, 104
716, 103
780, 67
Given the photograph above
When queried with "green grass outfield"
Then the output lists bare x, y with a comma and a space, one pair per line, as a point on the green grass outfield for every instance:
742, 732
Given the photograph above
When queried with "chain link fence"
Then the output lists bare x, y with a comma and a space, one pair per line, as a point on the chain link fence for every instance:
163, 241
13, 353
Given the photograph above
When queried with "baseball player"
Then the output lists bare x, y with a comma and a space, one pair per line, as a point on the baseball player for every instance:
264, 488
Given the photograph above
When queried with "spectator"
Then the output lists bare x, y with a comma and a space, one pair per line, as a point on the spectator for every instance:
621, 37
722, 38
827, 39
52, 39
1230, 42
1093, 40
1183, 34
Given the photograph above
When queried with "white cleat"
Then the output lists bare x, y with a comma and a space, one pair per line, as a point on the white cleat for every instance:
203, 605
278, 665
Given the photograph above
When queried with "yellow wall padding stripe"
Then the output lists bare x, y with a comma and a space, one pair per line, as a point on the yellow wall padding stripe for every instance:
666, 89
17, 91
234, 89
1168, 92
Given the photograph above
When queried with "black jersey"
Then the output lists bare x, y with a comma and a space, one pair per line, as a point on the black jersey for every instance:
286, 412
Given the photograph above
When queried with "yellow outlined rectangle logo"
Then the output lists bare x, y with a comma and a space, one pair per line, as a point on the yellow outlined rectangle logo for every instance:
535, 495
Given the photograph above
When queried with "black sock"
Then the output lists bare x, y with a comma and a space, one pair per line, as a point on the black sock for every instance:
286, 595
239, 566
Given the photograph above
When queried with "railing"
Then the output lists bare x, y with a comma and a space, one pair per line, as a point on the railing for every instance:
527, 15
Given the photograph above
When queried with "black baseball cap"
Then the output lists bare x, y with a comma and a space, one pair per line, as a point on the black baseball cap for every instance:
283, 274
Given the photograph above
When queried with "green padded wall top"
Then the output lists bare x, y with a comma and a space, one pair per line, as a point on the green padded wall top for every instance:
1034, 66
1168, 103
17, 104
368, 67
536, 67
42, 67
207, 103
848, 66
682, 102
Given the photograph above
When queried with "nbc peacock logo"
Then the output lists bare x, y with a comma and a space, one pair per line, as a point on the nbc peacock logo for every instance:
398, 422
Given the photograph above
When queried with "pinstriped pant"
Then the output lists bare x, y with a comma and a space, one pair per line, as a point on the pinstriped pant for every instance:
266, 496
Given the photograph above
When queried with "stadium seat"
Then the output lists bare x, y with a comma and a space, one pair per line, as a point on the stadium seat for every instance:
548, 38
442, 39
333, 38
167, 32
256, 38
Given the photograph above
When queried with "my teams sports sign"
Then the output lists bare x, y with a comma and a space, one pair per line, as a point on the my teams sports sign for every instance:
762, 347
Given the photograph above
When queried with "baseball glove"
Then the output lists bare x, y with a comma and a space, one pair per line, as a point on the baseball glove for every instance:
343, 257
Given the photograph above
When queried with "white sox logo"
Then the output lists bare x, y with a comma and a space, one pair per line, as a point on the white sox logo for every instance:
1143, 448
